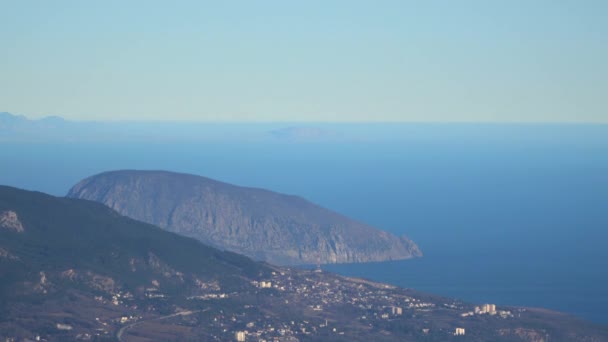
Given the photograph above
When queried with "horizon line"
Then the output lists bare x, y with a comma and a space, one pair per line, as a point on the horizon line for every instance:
313, 122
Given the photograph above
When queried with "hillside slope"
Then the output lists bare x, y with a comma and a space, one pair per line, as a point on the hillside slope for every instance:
262, 224
76, 270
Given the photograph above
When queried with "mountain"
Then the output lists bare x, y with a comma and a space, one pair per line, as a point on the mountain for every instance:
55, 129
59, 249
18, 128
72, 269
39, 232
8, 119
265, 225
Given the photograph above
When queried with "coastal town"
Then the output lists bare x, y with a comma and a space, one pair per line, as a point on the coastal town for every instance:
328, 306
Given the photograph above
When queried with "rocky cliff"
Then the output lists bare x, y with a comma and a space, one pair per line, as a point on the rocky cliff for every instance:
262, 224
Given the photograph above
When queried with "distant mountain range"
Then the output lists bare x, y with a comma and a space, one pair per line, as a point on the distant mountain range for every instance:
18, 128
264, 225
21, 124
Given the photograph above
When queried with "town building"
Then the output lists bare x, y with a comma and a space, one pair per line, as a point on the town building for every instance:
240, 336
265, 284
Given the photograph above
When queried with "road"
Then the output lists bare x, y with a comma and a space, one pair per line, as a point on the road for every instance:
129, 326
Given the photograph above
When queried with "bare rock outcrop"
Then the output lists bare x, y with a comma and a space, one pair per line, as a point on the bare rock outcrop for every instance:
262, 224
10, 221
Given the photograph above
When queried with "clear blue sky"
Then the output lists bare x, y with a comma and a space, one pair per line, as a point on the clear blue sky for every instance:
439, 61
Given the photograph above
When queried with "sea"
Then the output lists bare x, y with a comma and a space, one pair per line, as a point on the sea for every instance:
515, 221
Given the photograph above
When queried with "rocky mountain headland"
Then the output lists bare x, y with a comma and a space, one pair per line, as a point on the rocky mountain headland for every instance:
265, 225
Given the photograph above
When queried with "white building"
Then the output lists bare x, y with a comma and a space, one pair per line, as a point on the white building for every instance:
459, 332
265, 284
240, 336
486, 309
489, 308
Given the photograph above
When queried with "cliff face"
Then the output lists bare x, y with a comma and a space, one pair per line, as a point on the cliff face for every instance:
265, 225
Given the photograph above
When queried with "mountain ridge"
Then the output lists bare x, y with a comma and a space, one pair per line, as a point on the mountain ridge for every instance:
265, 225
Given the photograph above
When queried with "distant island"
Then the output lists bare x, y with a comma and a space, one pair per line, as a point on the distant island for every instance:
265, 225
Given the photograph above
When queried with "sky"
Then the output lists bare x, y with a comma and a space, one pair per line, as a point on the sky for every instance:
319, 61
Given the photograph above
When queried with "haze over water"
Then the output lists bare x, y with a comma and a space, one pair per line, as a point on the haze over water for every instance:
506, 222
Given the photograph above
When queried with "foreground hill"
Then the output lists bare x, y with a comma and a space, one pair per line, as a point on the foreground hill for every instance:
76, 270
58, 253
265, 225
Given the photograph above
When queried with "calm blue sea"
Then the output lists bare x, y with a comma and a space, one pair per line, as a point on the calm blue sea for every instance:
505, 222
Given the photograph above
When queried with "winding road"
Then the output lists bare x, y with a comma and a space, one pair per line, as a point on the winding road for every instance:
129, 326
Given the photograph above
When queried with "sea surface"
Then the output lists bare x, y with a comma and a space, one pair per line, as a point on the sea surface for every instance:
508, 222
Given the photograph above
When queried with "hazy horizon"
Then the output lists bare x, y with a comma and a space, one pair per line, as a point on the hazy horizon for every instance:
301, 122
